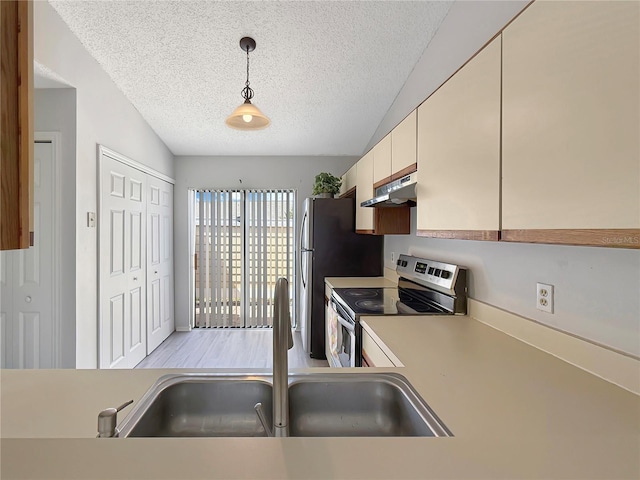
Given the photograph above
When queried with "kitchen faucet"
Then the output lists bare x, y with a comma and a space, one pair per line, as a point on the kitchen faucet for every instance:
282, 342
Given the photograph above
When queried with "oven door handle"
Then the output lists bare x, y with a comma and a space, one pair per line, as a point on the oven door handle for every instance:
349, 326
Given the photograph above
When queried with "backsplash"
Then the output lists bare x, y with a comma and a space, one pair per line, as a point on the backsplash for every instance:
595, 289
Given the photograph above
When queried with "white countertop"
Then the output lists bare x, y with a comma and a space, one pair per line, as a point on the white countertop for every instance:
515, 412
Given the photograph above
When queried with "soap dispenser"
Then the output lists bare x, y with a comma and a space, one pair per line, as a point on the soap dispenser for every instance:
108, 419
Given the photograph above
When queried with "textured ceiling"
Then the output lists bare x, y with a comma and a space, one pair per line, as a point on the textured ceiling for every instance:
324, 72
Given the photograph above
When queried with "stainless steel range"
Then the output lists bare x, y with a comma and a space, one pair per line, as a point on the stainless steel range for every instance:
425, 287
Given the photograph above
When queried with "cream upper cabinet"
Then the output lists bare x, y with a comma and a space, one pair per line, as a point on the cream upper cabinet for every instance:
404, 144
570, 154
348, 180
459, 153
382, 161
364, 191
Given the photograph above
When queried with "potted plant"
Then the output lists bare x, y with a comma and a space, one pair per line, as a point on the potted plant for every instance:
326, 185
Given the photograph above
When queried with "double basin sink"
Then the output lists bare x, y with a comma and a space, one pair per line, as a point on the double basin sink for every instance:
320, 405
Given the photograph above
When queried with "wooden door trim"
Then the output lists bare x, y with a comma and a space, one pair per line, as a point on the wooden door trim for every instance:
382, 182
405, 171
484, 235
25, 109
367, 360
612, 238
349, 193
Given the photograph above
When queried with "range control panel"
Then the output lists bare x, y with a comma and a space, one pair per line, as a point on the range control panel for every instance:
441, 276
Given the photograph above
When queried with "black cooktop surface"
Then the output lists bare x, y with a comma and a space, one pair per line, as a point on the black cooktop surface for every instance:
384, 301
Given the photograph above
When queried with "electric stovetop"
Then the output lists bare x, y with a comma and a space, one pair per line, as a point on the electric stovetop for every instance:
383, 301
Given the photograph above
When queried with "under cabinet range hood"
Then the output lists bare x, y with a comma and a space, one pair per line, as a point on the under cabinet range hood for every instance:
399, 193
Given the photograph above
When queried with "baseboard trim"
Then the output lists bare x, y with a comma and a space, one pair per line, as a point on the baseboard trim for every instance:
618, 368
183, 329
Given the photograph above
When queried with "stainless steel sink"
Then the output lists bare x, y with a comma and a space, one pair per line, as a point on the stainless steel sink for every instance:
320, 405
200, 406
359, 405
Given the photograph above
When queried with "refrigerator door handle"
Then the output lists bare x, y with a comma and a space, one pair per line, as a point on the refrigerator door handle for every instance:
305, 218
306, 226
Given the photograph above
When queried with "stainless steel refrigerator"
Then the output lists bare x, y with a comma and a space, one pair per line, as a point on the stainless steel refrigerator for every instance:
329, 247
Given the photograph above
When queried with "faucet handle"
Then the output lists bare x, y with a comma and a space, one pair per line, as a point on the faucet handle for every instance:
263, 420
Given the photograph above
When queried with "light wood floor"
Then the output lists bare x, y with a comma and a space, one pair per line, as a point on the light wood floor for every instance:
224, 348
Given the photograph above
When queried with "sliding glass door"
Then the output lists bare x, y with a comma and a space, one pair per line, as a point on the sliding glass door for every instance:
244, 242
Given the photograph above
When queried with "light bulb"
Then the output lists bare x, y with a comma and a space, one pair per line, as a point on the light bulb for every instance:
247, 118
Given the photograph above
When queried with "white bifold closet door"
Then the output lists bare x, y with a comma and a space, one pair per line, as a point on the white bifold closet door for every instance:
160, 318
123, 339
136, 261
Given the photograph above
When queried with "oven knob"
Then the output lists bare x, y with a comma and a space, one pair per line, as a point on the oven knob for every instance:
445, 274
437, 272
404, 263
399, 262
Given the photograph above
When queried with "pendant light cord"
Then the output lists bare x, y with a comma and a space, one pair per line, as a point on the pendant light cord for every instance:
247, 92
247, 84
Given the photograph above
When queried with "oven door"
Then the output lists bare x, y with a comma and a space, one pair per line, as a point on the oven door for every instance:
341, 338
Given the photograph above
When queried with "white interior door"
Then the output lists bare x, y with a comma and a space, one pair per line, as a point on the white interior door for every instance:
123, 338
160, 317
6, 309
26, 280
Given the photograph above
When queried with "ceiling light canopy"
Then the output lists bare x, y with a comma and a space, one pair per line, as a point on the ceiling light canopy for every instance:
247, 116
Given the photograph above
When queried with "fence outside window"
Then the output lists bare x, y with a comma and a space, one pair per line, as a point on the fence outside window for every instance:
244, 241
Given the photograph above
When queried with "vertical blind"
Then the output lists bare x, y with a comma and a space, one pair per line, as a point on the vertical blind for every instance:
244, 243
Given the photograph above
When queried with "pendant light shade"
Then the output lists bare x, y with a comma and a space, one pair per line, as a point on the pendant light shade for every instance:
247, 116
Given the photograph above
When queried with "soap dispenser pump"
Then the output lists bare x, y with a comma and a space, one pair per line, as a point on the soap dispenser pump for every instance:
108, 419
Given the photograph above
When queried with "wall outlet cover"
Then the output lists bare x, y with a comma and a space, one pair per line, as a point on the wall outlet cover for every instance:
544, 297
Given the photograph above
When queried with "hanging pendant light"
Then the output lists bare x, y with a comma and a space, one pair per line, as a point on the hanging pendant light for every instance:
247, 116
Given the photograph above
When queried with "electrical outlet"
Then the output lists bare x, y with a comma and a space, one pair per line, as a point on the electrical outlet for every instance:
393, 256
544, 297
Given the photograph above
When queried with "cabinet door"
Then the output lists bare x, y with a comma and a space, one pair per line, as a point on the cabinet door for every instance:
382, 162
459, 153
364, 191
571, 156
351, 178
348, 181
403, 146
373, 354
16, 125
